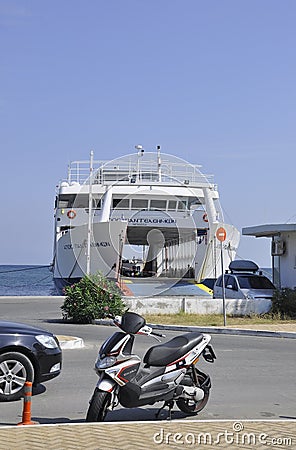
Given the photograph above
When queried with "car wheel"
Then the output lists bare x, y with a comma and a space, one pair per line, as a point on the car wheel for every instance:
15, 370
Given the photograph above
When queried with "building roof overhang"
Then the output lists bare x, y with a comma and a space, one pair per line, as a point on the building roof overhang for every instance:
269, 230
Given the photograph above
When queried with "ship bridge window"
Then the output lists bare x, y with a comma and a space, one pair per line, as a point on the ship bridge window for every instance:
193, 202
77, 201
98, 203
82, 201
182, 204
66, 201
158, 204
139, 203
121, 203
172, 205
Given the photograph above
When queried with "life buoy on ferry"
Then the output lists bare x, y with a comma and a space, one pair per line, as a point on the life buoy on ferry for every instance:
71, 214
205, 217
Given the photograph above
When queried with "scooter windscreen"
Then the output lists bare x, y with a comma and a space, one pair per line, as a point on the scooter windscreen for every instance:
132, 322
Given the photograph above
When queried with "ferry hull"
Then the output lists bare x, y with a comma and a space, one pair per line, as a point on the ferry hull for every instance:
70, 264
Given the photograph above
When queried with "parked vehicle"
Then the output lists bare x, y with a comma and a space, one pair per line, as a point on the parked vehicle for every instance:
244, 281
168, 372
26, 354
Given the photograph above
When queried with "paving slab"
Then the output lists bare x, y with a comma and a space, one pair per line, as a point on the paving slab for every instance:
156, 434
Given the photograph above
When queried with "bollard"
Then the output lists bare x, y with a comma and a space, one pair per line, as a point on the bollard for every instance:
26, 420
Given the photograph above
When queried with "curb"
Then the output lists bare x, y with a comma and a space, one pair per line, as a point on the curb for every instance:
70, 342
214, 330
230, 331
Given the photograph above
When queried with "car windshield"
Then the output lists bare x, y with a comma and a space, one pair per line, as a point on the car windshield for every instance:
254, 282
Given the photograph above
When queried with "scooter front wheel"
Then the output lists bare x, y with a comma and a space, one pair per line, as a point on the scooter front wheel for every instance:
98, 406
189, 406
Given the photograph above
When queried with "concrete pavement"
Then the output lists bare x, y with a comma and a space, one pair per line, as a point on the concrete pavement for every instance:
178, 434
204, 434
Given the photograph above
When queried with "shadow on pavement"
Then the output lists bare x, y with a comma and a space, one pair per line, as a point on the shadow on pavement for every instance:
39, 389
122, 415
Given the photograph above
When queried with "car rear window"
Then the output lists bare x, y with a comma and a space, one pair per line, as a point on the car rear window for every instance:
254, 282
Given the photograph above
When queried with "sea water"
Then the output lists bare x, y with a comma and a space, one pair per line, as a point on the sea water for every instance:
38, 280
26, 280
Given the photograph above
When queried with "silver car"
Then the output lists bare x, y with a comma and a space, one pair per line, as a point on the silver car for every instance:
243, 281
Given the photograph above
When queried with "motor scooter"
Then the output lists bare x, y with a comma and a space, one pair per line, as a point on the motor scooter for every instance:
167, 373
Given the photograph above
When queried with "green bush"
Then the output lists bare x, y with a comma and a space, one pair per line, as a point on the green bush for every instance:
93, 297
284, 304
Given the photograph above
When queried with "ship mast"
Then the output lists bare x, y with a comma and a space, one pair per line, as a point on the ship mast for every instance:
89, 227
158, 163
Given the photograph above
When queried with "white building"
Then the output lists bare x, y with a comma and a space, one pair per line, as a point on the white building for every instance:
283, 251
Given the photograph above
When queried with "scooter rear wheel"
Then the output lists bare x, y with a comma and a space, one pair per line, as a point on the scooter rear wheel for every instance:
98, 406
189, 406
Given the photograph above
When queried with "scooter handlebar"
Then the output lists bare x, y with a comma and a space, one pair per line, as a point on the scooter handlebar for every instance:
148, 331
158, 334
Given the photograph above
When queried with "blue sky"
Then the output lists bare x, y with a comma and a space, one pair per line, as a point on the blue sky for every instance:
210, 81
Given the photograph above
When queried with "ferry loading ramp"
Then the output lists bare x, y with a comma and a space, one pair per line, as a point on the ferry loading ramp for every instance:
161, 286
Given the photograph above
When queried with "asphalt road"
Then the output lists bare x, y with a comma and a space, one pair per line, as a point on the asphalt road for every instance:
252, 378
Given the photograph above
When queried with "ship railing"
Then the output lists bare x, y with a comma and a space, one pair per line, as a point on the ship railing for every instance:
106, 172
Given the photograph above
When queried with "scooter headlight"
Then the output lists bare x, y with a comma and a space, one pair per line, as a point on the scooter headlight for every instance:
104, 363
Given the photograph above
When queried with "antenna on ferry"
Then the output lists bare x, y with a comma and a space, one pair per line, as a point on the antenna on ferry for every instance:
158, 163
140, 149
140, 153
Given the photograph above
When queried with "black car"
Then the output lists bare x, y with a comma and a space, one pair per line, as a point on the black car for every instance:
26, 354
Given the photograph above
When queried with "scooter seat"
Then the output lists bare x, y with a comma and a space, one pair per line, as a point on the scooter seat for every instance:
164, 354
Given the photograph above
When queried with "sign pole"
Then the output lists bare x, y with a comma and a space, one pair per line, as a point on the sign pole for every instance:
221, 236
223, 286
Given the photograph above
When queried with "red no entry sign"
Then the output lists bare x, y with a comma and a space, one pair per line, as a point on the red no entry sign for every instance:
221, 234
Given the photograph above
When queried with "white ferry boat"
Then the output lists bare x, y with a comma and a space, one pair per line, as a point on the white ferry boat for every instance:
154, 201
